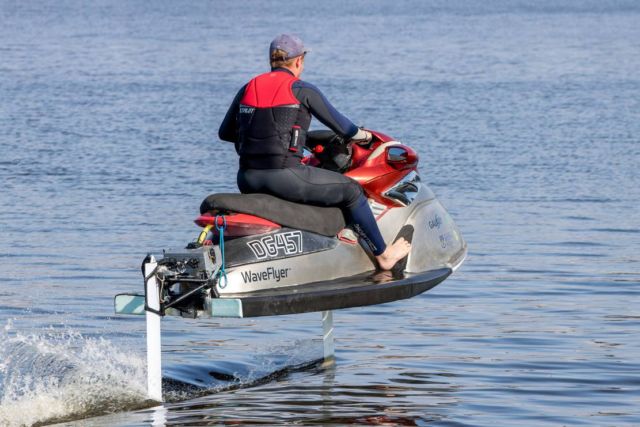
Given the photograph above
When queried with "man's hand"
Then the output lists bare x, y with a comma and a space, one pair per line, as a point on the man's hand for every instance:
363, 137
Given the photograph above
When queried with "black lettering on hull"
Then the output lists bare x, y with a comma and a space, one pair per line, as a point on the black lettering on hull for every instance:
269, 274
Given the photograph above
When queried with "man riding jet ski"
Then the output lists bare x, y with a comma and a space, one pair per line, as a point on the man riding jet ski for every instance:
268, 121
286, 248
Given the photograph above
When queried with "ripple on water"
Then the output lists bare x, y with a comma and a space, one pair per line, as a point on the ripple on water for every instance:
525, 117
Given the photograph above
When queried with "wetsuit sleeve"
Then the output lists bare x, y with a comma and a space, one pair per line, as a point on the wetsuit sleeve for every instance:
229, 127
318, 105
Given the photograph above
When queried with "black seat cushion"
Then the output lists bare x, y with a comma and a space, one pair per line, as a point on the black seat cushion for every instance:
321, 220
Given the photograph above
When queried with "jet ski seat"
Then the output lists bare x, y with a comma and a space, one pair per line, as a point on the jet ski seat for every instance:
320, 220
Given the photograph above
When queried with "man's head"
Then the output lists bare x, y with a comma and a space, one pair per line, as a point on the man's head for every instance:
287, 51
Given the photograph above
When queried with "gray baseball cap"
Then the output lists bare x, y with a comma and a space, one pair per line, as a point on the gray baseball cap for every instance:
289, 43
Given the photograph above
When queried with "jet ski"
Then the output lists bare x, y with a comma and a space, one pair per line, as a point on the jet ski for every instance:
259, 255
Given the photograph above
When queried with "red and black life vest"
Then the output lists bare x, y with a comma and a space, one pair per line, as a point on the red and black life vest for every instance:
270, 132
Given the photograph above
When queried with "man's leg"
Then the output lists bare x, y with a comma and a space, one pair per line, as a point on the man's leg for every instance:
319, 187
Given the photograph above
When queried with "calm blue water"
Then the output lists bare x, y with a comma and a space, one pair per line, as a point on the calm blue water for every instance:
527, 120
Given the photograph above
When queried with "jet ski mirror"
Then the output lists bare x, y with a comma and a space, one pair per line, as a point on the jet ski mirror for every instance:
400, 157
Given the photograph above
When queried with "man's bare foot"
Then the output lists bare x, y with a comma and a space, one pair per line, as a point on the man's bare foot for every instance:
394, 253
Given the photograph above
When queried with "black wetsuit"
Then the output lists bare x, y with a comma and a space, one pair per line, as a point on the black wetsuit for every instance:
299, 183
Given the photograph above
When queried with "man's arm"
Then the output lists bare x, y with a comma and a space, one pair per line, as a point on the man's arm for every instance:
229, 127
321, 109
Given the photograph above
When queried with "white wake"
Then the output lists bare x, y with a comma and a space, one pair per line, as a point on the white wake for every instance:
61, 374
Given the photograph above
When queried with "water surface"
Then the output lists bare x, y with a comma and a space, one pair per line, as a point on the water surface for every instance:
525, 116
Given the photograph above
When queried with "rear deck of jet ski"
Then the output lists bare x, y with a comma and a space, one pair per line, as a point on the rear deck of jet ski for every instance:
356, 291
364, 289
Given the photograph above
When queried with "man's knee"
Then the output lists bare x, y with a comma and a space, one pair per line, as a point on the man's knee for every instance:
353, 193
